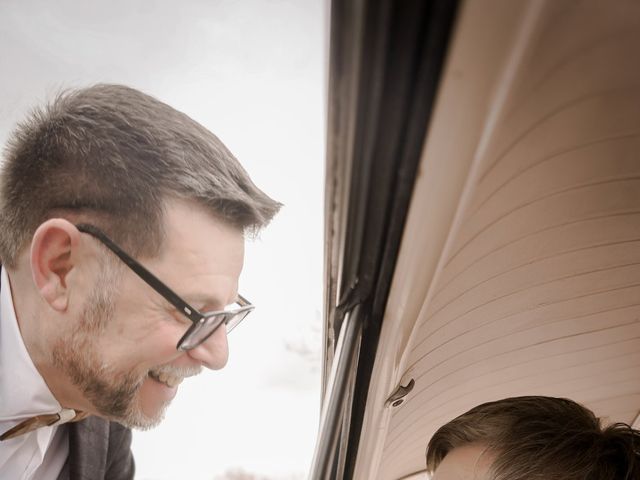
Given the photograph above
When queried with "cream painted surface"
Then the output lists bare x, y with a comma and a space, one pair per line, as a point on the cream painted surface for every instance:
417, 476
474, 68
519, 272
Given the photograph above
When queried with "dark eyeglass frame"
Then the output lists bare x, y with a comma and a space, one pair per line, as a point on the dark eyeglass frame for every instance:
198, 318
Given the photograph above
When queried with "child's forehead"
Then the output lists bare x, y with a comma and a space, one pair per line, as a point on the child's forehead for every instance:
467, 462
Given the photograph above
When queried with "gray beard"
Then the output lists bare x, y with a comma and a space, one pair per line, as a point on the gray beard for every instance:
113, 394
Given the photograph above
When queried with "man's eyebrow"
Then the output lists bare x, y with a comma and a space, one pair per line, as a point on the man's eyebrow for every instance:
199, 300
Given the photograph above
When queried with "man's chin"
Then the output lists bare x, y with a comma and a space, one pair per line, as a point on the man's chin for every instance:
137, 420
148, 408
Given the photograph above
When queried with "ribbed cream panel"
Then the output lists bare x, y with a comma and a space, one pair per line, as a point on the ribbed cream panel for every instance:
538, 291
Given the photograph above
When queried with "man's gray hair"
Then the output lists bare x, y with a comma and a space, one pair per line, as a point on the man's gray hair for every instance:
112, 155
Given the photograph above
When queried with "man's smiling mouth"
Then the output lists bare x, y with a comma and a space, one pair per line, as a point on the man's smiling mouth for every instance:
170, 381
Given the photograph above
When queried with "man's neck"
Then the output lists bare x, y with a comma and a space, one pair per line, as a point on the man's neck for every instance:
26, 304
34, 323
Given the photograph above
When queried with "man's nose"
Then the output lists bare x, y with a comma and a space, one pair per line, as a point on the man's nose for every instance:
213, 353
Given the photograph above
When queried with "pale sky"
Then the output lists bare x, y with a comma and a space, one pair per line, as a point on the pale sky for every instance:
253, 72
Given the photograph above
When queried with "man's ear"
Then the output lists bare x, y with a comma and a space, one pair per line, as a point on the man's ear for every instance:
52, 258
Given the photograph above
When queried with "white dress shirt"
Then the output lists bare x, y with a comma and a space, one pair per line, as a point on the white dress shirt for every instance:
37, 455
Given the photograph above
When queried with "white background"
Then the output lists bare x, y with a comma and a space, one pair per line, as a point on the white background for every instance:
252, 71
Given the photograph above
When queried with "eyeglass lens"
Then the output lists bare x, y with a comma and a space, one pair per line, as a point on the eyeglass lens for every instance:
202, 330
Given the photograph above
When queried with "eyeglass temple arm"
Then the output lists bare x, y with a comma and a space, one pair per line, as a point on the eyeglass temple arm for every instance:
153, 281
243, 302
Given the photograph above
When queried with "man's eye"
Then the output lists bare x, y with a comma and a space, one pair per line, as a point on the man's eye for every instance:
211, 308
179, 316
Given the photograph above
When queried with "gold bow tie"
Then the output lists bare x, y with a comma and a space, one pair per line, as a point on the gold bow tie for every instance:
47, 420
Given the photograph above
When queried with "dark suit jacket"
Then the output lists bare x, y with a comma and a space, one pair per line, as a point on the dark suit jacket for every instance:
98, 450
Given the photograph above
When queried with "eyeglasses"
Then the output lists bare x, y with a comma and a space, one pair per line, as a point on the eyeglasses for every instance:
204, 323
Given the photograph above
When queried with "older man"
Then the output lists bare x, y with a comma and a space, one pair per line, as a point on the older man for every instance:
122, 227
525, 438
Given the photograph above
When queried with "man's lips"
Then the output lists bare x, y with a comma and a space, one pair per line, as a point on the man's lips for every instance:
171, 381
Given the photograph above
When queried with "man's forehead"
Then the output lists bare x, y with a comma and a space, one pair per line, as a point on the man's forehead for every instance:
468, 462
188, 224
202, 256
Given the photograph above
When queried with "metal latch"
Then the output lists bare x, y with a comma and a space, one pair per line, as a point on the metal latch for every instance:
397, 397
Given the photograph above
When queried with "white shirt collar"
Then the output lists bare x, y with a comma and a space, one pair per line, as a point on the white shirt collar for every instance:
23, 391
